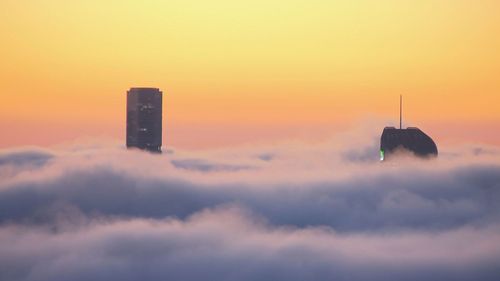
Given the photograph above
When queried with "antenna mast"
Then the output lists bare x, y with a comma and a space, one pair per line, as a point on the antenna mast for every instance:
400, 111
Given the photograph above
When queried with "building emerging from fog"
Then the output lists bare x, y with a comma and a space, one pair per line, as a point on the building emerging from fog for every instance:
144, 119
411, 139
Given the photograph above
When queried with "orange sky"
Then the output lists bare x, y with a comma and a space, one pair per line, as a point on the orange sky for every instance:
240, 71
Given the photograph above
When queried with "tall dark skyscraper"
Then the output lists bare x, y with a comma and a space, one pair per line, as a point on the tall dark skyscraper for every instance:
411, 139
144, 119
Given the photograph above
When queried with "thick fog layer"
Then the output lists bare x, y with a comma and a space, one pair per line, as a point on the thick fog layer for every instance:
289, 211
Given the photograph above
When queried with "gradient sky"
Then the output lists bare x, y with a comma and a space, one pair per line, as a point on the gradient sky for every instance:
244, 71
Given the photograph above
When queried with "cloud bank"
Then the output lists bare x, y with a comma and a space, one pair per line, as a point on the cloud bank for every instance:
289, 211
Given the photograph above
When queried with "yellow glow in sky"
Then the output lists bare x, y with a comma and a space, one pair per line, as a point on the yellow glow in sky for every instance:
236, 71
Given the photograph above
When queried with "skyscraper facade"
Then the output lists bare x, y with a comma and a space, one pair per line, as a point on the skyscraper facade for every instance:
144, 119
411, 139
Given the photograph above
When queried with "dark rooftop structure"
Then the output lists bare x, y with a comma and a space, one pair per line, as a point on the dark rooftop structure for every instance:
144, 119
411, 139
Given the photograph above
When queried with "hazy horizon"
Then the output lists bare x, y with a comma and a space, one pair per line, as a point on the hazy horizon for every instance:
235, 72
